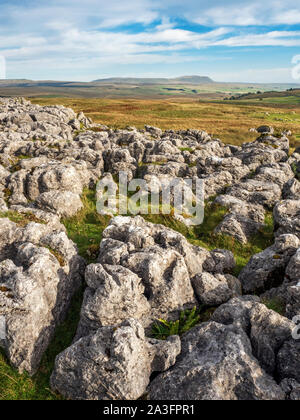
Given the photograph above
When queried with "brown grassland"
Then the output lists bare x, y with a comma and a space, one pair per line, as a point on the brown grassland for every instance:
227, 120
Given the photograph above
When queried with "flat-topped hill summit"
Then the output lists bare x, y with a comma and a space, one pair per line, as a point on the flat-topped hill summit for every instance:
193, 80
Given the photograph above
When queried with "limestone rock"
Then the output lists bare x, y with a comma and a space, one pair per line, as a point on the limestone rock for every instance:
213, 290
112, 364
40, 271
216, 363
287, 217
267, 269
62, 203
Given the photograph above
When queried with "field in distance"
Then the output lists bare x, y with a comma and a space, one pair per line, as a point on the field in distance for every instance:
287, 97
228, 120
181, 87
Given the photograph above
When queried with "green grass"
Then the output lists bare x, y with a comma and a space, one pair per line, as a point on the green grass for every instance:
186, 149
276, 304
295, 170
21, 219
291, 100
162, 329
86, 227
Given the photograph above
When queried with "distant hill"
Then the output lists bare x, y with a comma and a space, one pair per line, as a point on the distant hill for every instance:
192, 80
200, 87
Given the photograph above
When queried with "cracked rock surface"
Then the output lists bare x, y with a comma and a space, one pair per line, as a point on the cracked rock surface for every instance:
49, 157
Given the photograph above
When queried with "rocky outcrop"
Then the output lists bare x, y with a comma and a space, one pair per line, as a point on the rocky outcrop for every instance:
49, 157
287, 217
40, 270
270, 335
267, 269
112, 364
216, 363
64, 204
213, 290
147, 271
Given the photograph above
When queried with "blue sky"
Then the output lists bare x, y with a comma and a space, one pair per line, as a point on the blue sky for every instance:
228, 40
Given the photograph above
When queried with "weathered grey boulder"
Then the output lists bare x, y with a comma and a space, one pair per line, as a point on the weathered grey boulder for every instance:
277, 173
291, 190
287, 217
62, 203
112, 364
267, 269
219, 261
257, 192
292, 300
166, 279
139, 235
154, 131
281, 143
239, 227
269, 331
242, 208
288, 293
216, 363
213, 290
3, 205
114, 294
243, 221
117, 160
216, 183
288, 360
266, 329
53, 176
257, 154
214, 165
34, 214
291, 388
173, 169
236, 311
293, 287
39, 273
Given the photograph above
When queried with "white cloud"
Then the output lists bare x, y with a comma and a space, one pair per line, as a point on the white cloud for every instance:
288, 17
252, 75
242, 16
274, 38
74, 42
239, 13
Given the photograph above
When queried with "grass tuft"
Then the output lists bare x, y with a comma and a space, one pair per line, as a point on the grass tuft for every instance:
162, 329
21, 219
86, 227
276, 304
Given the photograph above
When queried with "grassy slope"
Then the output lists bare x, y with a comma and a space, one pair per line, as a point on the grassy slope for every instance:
229, 121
